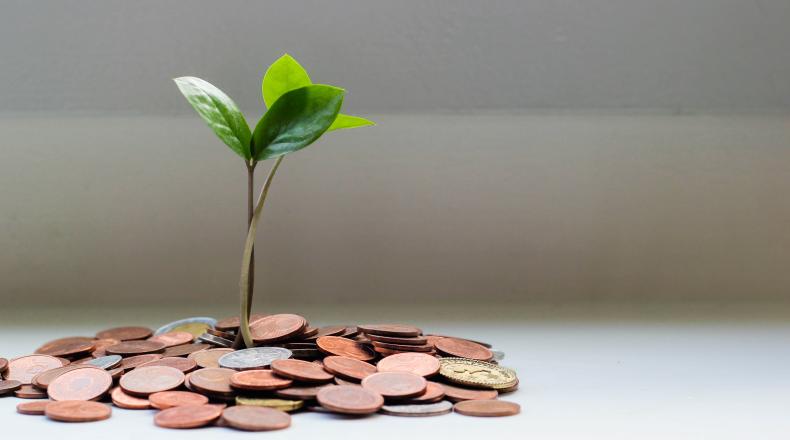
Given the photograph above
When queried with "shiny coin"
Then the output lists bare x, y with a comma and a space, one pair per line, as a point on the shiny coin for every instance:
106, 362
487, 408
422, 410
255, 418
463, 349
9, 386
136, 361
339, 346
25, 368
77, 411
28, 391
417, 363
259, 380
281, 404
348, 368
396, 385
80, 384
300, 370
171, 339
215, 340
196, 326
187, 416
209, 358
169, 399
253, 358
183, 364
477, 374
184, 350
350, 399
132, 348
458, 394
35, 408
300, 392
397, 330
148, 380
43, 380
278, 327
212, 380
123, 400
125, 333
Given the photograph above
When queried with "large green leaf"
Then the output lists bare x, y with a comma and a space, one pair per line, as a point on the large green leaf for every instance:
296, 120
219, 111
348, 121
283, 75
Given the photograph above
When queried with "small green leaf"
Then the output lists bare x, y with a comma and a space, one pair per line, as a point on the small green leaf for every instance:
219, 111
283, 75
296, 120
348, 121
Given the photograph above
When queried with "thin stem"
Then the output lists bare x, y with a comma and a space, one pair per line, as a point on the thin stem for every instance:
237, 343
244, 283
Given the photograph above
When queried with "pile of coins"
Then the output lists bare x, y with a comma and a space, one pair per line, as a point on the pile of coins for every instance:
189, 373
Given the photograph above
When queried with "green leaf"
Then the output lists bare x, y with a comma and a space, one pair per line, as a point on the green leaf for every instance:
219, 111
348, 121
283, 75
296, 120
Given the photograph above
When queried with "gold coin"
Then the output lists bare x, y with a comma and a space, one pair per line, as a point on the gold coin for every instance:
281, 404
477, 373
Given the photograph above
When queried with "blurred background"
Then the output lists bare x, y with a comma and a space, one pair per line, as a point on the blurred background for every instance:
579, 151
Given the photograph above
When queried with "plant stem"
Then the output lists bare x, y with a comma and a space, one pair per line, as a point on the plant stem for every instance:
239, 341
245, 282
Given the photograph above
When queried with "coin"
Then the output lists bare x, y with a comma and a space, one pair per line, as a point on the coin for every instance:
403, 348
341, 381
434, 392
3, 365
184, 350
196, 326
252, 358
101, 344
9, 386
123, 400
220, 333
78, 411
183, 364
487, 408
281, 404
499, 355
125, 333
232, 323
396, 385
339, 346
35, 408
212, 380
43, 380
463, 348
305, 353
148, 380
458, 394
300, 370
171, 339
300, 392
215, 340
422, 410
136, 361
417, 363
69, 347
255, 418
350, 332
209, 358
131, 348
417, 340
25, 368
348, 368
106, 362
169, 399
187, 416
274, 328
350, 399
80, 384
397, 330
477, 373
27, 391
332, 330
259, 380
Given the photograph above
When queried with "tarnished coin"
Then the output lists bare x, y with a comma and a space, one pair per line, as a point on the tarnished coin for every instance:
9, 386
286, 405
80, 384
68, 347
434, 392
126, 401
417, 363
35, 408
259, 380
458, 394
300, 392
136, 361
350, 399
187, 416
477, 374
395, 385
397, 330
417, 340
148, 380
255, 418
278, 327
340, 346
106, 362
125, 333
463, 349
171, 339
348, 368
196, 326
487, 408
43, 380
132, 348
232, 323
212, 380
25, 368
27, 391
421, 410
208, 338
300, 370
169, 399
253, 358
184, 364
77, 411
209, 358
184, 350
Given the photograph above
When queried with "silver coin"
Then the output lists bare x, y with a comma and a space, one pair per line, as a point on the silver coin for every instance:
211, 322
106, 362
253, 358
498, 354
215, 340
424, 410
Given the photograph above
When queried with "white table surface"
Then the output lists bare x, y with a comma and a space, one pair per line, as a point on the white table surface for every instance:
581, 378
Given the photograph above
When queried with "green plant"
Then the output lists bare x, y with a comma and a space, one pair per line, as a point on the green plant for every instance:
298, 113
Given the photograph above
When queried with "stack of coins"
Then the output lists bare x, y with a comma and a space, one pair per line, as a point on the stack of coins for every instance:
189, 372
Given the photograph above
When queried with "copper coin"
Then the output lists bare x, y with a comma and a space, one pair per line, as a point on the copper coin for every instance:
148, 380
396, 385
308, 332
434, 392
33, 408
28, 391
487, 408
255, 418
169, 399
351, 331
277, 327
213, 380
348, 368
401, 347
80, 384
209, 358
67, 347
136, 361
9, 386
300, 393
458, 394
418, 340
44, 379
187, 416
232, 323
67, 340
63, 361
184, 350
417, 363
116, 373
397, 330
78, 411
220, 333
132, 348
463, 348
172, 339
300, 370
350, 399
339, 346
332, 330
125, 333
387, 352
259, 380
3, 366
123, 400
101, 344
25, 368
179, 363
